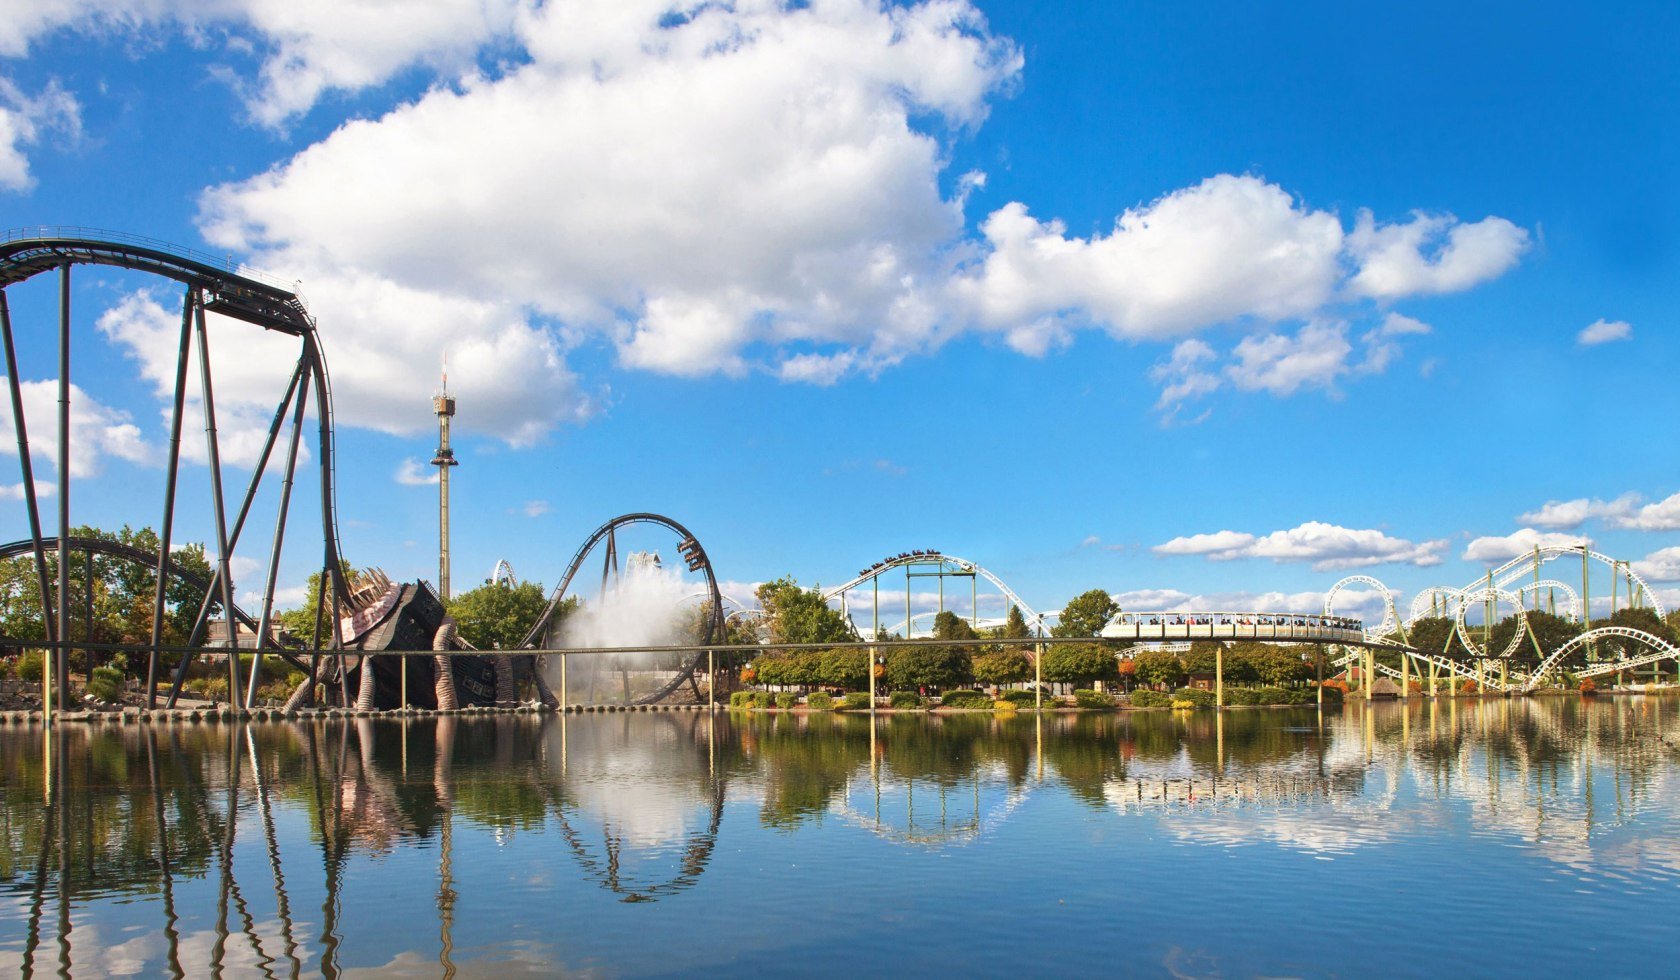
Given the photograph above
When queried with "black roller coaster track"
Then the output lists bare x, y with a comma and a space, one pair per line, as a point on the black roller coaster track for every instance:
689, 546
209, 287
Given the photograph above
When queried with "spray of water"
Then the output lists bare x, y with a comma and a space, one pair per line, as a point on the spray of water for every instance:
649, 605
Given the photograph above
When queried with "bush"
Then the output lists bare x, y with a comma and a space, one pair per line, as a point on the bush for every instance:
1092, 699
28, 666
1242, 696
820, 701
1024, 699
1588, 686
1192, 697
105, 684
965, 699
742, 699
855, 701
905, 699
1333, 694
1273, 695
1145, 698
786, 700
209, 688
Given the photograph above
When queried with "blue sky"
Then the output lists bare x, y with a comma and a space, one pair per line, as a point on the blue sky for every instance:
831, 281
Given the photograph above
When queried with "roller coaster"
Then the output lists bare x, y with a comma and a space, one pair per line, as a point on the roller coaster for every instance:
358, 621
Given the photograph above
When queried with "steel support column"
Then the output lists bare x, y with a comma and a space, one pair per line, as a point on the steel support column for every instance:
222, 552
171, 472
30, 501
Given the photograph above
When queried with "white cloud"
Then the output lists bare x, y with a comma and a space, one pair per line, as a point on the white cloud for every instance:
96, 431
412, 474
1627, 512
1430, 254
1318, 355
309, 47
1603, 332
1493, 550
1227, 248
1328, 547
534, 508
1662, 565
14, 491
1568, 514
1279, 364
724, 189
24, 119
1664, 515
1381, 348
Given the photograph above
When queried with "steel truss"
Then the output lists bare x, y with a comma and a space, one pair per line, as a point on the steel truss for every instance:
237, 294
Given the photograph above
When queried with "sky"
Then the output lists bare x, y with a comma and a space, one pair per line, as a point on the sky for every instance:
1203, 304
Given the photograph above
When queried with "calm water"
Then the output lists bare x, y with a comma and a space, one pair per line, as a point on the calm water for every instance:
1540, 836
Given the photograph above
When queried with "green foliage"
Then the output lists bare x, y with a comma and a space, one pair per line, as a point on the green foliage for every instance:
1273, 695
820, 701
1014, 625
124, 591
1193, 696
1080, 664
741, 700
947, 625
105, 684
855, 701
213, 688
796, 615
1092, 699
1241, 696
904, 699
786, 700
1145, 698
1159, 667
965, 699
28, 665
928, 666
1201, 658
300, 622
1436, 635
1002, 667
1332, 695
1022, 699
1086, 614
497, 615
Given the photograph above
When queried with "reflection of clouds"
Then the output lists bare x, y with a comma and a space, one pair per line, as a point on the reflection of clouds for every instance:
646, 788
929, 813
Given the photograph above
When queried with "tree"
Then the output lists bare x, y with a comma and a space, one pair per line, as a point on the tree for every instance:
911, 667
796, 615
1086, 614
1080, 664
1002, 667
1159, 667
124, 593
498, 615
1014, 625
300, 622
1279, 666
949, 626
1201, 658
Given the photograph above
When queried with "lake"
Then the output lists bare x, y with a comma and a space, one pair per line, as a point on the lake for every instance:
1538, 836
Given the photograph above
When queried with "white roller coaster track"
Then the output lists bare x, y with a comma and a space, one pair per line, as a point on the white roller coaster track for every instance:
1390, 616
1493, 596
1573, 610
1663, 650
1035, 620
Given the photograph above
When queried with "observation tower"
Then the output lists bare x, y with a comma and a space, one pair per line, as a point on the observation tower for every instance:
444, 406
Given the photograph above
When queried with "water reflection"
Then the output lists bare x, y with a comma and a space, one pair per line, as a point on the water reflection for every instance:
192, 849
